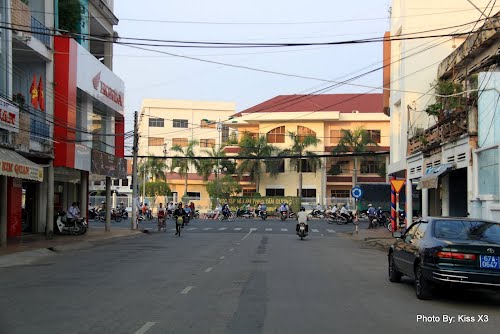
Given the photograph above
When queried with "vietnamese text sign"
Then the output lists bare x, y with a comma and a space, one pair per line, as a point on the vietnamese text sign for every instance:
9, 116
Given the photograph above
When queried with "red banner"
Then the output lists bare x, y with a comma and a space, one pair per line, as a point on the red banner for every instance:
34, 93
41, 97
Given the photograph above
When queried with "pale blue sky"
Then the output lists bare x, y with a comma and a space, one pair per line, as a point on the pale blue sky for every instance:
151, 75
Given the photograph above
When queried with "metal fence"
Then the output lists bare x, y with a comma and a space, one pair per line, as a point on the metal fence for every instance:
40, 32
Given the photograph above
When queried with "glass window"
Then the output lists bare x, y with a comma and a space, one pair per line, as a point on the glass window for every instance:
278, 163
339, 193
276, 135
156, 122
97, 183
308, 193
374, 135
419, 234
116, 182
369, 167
335, 136
195, 196
248, 192
207, 142
410, 234
124, 182
306, 166
487, 162
180, 123
303, 131
155, 141
467, 230
182, 142
271, 192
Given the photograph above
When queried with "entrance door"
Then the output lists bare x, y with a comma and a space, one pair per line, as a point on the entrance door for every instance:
30, 210
458, 192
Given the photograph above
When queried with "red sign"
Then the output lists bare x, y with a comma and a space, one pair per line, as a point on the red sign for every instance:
34, 92
7, 117
107, 91
397, 184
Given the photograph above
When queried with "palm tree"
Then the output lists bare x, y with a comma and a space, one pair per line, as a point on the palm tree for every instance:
183, 162
357, 141
259, 150
154, 167
300, 143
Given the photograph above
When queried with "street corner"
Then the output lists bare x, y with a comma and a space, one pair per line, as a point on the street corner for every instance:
24, 258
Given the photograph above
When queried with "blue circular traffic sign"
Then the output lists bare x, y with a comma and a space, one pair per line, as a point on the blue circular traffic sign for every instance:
356, 192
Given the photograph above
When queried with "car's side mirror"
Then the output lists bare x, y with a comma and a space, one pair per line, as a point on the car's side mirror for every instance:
397, 235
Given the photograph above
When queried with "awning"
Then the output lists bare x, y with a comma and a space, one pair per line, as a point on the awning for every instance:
431, 177
15, 165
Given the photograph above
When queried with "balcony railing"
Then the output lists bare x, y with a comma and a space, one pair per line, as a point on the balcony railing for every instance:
446, 130
40, 32
40, 131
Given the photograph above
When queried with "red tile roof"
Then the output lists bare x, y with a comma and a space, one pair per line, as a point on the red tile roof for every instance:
345, 103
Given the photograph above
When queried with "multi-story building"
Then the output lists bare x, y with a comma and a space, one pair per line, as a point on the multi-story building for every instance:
413, 78
323, 116
167, 123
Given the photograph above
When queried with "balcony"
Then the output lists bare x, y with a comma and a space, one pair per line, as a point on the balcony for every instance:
40, 131
448, 129
40, 32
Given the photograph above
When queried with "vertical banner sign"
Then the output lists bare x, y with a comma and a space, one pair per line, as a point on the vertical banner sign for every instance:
41, 98
34, 92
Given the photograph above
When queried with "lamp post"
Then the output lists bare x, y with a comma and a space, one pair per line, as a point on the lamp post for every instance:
166, 167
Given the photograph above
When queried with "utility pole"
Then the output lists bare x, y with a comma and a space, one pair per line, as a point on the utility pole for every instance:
135, 179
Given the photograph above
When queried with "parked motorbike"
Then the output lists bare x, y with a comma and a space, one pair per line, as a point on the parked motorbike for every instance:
115, 215
64, 226
302, 233
245, 214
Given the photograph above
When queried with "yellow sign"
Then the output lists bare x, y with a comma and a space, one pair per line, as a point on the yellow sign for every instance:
398, 184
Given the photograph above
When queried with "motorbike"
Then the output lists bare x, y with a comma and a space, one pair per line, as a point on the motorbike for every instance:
379, 220
115, 215
401, 222
92, 213
228, 216
63, 226
318, 214
283, 215
302, 233
245, 214
122, 212
263, 214
196, 214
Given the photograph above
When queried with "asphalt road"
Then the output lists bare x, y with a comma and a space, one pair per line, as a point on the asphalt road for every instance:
216, 279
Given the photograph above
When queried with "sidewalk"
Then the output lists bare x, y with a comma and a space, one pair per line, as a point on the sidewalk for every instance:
378, 237
30, 248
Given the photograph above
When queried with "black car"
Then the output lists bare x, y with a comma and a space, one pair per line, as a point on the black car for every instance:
436, 251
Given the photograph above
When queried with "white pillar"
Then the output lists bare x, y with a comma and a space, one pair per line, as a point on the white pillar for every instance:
425, 202
445, 195
3, 211
409, 202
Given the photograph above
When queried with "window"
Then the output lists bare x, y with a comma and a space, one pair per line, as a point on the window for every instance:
340, 167
207, 142
207, 124
374, 135
155, 141
276, 135
249, 192
180, 123
97, 183
225, 133
419, 234
156, 122
275, 192
487, 163
124, 182
195, 196
116, 182
182, 142
306, 166
369, 167
336, 193
279, 164
308, 193
302, 132
335, 136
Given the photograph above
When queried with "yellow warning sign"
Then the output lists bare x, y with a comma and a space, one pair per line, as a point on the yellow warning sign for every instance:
398, 184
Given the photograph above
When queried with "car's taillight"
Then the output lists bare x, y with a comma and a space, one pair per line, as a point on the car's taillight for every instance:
455, 256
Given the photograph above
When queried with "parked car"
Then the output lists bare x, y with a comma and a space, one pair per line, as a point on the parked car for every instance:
437, 251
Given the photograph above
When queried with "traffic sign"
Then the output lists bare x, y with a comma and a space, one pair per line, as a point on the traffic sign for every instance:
356, 192
398, 184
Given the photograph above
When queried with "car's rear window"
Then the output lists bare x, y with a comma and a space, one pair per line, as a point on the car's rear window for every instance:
467, 230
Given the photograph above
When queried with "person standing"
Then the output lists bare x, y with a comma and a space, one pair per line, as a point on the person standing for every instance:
187, 210
178, 217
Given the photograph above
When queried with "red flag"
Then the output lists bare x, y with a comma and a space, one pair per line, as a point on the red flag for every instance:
41, 97
34, 93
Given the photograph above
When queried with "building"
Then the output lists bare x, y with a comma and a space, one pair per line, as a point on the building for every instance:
323, 116
413, 70
167, 123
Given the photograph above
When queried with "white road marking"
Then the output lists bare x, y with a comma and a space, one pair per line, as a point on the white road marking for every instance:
145, 327
315, 230
221, 258
331, 231
238, 229
209, 269
206, 229
232, 249
172, 229
269, 229
223, 228
253, 229
186, 290
248, 234
192, 228
284, 229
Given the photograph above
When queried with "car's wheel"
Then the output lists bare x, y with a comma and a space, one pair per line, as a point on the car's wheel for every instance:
394, 273
423, 288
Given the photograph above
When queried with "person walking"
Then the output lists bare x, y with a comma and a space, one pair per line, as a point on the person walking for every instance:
179, 214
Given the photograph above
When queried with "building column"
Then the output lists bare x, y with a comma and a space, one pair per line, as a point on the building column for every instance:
445, 195
108, 53
41, 203
108, 204
409, 201
84, 206
3, 211
49, 231
425, 202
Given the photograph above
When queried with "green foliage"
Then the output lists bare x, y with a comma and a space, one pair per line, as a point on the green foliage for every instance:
27, 2
233, 139
356, 140
153, 167
205, 167
256, 195
186, 157
158, 188
69, 15
445, 103
334, 170
223, 187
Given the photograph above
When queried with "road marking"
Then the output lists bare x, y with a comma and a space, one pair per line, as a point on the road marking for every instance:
248, 234
191, 228
172, 229
253, 229
232, 249
314, 230
284, 229
186, 290
269, 229
221, 258
209, 269
145, 327
223, 228
206, 229
331, 231
238, 229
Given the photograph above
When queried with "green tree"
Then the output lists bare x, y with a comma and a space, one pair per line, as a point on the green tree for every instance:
223, 187
216, 157
153, 167
300, 145
69, 15
357, 140
181, 164
259, 149
158, 188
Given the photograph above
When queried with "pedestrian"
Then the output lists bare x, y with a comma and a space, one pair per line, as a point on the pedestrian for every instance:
191, 206
187, 215
178, 217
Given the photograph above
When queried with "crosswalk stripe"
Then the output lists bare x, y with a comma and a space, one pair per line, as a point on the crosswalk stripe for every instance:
315, 230
331, 231
222, 229
269, 229
172, 229
238, 229
206, 229
284, 229
191, 228
253, 229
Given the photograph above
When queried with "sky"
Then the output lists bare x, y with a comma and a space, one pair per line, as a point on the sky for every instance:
152, 75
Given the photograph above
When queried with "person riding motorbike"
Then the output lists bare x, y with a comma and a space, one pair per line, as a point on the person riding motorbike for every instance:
302, 218
225, 210
179, 214
372, 215
344, 212
73, 213
262, 208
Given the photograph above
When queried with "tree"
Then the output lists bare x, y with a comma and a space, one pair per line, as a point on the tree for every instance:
70, 12
181, 165
157, 189
154, 167
259, 149
357, 141
223, 187
300, 143
205, 167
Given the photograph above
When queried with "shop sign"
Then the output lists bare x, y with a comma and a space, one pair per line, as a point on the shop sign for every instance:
9, 116
21, 171
108, 165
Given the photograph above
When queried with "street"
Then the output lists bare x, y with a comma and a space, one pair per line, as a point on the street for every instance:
246, 276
